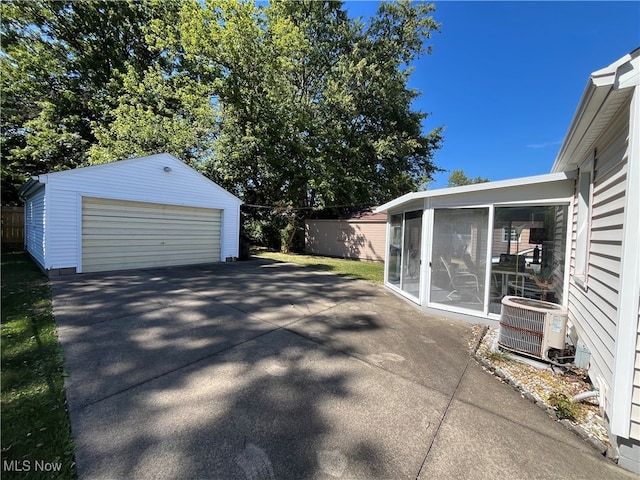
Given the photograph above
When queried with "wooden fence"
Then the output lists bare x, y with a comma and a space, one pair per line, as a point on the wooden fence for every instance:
12, 227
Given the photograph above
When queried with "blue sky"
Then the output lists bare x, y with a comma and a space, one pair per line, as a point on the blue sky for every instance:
505, 78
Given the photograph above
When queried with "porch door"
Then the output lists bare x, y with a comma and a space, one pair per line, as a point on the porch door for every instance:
458, 257
405, 242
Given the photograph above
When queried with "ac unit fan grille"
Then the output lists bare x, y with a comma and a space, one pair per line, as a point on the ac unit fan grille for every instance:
522, 330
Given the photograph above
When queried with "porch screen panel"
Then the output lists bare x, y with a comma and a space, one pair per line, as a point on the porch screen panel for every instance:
411, 251
531, 264
394, 257
458, 258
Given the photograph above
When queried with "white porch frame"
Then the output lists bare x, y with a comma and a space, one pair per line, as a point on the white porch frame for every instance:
543, 190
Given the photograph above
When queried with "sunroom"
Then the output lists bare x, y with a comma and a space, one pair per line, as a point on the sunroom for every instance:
459, 251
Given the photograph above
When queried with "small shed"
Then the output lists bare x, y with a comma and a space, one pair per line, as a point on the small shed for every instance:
358, 234
143, 212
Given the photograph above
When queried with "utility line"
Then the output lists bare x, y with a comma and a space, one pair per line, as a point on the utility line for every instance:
275, 207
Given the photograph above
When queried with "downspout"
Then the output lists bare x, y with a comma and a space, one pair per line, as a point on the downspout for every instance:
585, 395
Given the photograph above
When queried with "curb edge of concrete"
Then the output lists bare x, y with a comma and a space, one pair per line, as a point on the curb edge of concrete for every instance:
596, 444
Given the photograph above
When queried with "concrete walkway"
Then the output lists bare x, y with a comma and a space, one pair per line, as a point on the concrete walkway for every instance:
261, 370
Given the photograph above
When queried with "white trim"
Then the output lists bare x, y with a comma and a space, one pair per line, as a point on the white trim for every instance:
472, 316
386, 253
584, 200
567, 255
223, 252
80, 199
423, 259
452, 308
404, 232
427, 228
628, 298
488, 264
478, 187
120, 163
402, 253
46, 212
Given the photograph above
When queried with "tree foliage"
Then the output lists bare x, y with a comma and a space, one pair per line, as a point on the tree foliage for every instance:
293, 104
315, 107
63, 69
458, 178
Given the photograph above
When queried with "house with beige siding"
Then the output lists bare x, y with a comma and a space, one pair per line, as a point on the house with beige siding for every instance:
359, 234
584, 217
137, 213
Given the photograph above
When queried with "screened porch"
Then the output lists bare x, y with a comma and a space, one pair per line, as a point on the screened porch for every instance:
461, 250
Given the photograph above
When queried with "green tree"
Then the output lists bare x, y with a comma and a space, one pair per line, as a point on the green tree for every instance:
154, 113
289, 104
458, 178
314, 105
61, 64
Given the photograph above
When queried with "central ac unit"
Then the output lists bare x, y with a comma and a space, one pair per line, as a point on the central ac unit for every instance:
532, 327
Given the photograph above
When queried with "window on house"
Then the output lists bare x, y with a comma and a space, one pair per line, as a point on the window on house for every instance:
505, 235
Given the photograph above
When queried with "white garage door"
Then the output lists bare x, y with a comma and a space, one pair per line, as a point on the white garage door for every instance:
118, 235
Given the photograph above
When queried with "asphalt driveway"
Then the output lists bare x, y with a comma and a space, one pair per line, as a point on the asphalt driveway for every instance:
260, 370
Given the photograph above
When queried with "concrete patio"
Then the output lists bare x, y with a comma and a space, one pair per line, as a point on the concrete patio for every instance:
263, 370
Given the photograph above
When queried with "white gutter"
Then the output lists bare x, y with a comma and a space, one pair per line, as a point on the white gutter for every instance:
33, 183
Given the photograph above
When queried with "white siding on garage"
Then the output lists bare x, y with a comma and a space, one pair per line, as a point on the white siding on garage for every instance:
138, 180
119, 234
34, 217
594, 310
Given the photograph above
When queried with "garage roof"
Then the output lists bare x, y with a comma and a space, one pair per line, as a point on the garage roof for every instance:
36, 182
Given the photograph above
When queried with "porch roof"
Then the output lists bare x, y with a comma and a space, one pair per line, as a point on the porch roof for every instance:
488, 190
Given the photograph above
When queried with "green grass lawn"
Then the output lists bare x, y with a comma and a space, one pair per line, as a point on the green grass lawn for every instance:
36, 434
360, 269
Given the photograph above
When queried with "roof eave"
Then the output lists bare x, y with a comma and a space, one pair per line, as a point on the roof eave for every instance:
407, 197
621, 74
476, 187
34, 183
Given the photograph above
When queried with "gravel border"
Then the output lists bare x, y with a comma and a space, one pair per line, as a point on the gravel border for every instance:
579, 429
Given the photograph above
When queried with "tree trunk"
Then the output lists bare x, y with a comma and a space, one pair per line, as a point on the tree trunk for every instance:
287, 235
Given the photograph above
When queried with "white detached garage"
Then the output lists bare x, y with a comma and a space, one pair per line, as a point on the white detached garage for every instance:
139, 213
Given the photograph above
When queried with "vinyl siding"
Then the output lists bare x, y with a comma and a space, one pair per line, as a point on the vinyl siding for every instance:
594, 311
364, 240
142, 180
559, 251
635, 400
34, 217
